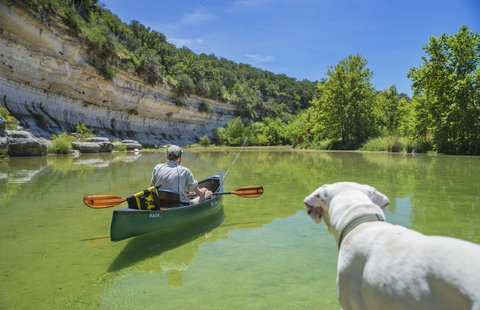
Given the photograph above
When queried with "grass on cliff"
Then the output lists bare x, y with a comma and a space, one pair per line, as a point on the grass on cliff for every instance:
11, 121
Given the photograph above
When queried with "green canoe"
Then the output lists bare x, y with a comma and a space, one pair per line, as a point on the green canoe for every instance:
127, 223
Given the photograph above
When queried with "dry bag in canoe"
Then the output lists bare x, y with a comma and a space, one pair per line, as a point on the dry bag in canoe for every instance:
154, 198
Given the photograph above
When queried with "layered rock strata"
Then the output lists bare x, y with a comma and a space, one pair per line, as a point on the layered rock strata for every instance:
47, 83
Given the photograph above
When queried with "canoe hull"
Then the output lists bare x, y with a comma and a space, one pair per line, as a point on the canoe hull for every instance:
127, 223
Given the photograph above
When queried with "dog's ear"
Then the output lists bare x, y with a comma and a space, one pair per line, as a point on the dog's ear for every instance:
315, 202
378, 198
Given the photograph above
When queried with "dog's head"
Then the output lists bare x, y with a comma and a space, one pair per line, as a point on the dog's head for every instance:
318, 202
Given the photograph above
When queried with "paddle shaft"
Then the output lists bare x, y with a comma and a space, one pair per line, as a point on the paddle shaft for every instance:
107, 201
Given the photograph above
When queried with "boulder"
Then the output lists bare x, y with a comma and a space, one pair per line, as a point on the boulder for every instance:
105, 144
86, 147
130, 144
23, 143
76, 135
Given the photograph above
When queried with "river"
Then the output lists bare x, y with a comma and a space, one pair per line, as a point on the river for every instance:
256, 253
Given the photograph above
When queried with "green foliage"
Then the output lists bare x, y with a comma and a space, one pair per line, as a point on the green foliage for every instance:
61, 144
11, 121
205, 141
108, 74
205, 107
84, 131
120, 148
344, 109
4, 158
387, 144
236, 132
220, 135
267, 132
398, 144
185, 86
447, 92
300, 131
148, 146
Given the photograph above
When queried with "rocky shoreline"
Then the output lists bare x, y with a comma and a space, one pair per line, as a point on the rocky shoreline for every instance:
23, 143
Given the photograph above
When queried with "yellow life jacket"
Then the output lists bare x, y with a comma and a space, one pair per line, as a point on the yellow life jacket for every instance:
154, 198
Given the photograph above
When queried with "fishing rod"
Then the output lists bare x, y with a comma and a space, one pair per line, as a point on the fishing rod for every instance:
235, 159
223, 179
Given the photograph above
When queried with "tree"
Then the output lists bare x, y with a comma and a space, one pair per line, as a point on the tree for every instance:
344, 109
390, 109
235, 132
185, 86
447, 92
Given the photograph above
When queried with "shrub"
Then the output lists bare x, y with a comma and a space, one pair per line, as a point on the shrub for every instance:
120, 148
149, 146
204, 141
61, 144
220, 135
205, 107
108, 73
84, 131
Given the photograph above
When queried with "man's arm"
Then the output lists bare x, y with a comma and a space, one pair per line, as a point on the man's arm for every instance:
199, 191
202, 194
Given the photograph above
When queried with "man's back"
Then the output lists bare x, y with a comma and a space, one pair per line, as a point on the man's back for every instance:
173, 176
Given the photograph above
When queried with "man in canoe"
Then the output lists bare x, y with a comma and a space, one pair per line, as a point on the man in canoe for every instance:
173, 176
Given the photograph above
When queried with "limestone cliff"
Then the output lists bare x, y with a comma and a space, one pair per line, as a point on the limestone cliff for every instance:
47, 83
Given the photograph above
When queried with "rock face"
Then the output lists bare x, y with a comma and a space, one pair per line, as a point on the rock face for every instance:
22, 143
47, 84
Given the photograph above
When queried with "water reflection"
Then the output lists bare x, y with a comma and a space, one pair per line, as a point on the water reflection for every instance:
151, 245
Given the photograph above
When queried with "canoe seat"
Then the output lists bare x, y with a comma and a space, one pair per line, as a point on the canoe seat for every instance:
154, 198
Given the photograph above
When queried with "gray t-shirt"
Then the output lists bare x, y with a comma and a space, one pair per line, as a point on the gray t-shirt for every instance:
174, 177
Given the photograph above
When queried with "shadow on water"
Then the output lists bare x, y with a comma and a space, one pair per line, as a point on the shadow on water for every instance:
150, 245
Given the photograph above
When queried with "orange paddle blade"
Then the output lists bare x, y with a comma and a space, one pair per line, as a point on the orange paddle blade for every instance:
249, 191
103, 201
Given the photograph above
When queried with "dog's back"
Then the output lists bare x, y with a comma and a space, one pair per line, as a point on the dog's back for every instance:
385, 266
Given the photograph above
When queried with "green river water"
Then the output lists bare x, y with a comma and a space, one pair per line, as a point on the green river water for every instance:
256, 253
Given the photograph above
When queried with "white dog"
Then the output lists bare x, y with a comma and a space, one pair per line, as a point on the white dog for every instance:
385, 266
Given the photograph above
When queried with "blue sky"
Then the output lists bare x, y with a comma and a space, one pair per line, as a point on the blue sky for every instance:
301, 38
